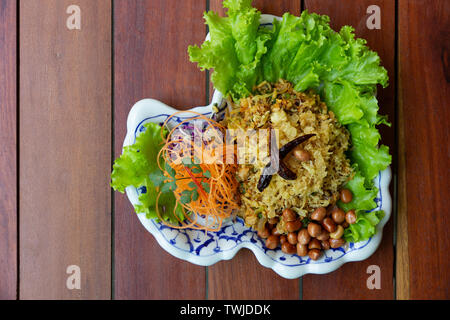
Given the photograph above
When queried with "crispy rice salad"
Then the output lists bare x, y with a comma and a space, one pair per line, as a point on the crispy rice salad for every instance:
320, 164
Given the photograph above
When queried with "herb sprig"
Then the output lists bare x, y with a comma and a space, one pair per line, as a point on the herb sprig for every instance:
199, 183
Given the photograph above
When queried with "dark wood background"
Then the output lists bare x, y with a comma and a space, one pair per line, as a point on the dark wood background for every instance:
64, 98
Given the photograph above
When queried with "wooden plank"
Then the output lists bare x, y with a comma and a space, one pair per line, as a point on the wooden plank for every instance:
8, 150
349, 282
151, 61
65, 149
255, 281
424, 77
269, 7
402, 285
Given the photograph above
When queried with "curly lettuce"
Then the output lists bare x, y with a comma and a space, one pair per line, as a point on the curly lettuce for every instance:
307, 52
235, 49
364, 205
137, 166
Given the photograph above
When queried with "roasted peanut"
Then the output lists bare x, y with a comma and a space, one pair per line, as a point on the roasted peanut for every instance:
325, 244
314, 254
336, 243
293, 226
329, 224
314, 244
273, 220
314, 229
288, 248
292, 237
272, 242
346, 196
350, 217
319, 214
303, 237
264, 233
289, 215
302, 250
338, 215
301, 154
324, 235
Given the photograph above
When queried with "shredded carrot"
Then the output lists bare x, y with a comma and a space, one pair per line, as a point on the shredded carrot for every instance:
213, 173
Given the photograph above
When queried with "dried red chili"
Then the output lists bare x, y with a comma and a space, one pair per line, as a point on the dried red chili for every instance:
284, 171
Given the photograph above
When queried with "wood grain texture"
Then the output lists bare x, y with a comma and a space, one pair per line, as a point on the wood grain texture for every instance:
402, 284
8, 143
349, 281
265, 6
424, 77
151, 61
65, 149
243, 277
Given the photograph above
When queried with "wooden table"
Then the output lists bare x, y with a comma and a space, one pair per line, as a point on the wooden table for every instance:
64, 98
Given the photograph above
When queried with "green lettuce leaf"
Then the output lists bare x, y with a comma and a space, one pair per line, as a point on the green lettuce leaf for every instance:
363, 197
235, 49
365, 151
343, 100
370, 159
288, 34
137, 166
363, 201
244, 22
365, 226
218, 53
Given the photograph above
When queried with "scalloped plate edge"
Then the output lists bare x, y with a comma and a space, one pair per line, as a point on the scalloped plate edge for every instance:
148, 108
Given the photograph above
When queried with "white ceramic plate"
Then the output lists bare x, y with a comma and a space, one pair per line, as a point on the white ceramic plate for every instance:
208, 248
